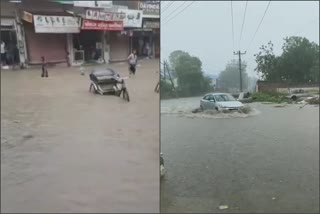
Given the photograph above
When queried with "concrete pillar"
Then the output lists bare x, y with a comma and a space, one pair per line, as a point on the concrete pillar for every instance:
21, 41
106, 46
70, 47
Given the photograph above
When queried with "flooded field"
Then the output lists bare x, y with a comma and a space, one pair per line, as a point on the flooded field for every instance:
267, 163
64, 149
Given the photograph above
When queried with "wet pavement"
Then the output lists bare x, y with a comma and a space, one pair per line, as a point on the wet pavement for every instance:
64, 149
263, 163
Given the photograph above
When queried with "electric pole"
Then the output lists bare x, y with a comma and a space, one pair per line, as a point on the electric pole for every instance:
239, 54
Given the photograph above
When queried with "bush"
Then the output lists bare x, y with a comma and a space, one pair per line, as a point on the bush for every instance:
166, 90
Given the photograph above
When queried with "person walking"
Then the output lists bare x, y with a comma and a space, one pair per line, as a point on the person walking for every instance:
10, 54
141, 43
3, 53
148, 50
132, 60
44, 67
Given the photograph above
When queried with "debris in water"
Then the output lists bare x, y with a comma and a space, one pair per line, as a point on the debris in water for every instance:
27, 136
16, 121
82, 70
280, 105
223, 207
162, 170
273, 198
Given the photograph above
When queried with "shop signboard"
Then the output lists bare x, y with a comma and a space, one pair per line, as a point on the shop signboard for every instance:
56, 24
88, 24
26, 16
151, 9
133, 18
93, 4
151, 25
104, 16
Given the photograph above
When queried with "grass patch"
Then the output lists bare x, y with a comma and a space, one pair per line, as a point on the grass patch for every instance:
269, 97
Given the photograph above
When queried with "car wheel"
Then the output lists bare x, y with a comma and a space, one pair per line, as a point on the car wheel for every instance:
216, 108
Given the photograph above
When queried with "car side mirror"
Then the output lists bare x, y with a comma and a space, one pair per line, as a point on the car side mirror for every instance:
212, 101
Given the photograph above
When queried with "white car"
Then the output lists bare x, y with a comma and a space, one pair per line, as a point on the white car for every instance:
219, 102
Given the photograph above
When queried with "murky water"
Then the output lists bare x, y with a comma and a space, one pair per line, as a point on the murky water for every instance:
64, 149
183, 108
267, 163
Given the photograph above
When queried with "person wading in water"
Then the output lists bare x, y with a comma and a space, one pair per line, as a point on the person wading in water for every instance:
132, 59
44, 67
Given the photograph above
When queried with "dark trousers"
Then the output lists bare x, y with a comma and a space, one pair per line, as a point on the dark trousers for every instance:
3, 58
44, 72
132, 69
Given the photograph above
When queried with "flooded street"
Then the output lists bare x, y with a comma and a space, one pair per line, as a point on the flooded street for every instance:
64, 149
262, 162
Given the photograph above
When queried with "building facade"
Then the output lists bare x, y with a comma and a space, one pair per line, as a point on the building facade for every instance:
75, 32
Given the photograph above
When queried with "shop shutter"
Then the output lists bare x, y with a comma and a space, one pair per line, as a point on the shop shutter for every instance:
52, 46
119, 46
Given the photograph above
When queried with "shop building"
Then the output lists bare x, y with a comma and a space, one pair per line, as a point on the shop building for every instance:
149, 34
11, 35
46, 30
79, 32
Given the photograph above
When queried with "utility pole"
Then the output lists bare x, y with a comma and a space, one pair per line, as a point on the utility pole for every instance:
239, 54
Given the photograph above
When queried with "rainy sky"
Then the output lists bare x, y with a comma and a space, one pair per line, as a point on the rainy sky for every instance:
204, 29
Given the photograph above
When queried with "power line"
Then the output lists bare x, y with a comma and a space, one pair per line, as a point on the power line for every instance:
166, 7
232, 25
180, 12
175, 10
259, 25
244, 17
240, 67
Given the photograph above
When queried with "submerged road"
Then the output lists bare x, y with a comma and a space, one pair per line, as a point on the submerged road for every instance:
267, 163
64, 149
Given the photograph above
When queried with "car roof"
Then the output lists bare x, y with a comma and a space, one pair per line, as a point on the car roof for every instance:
215, 94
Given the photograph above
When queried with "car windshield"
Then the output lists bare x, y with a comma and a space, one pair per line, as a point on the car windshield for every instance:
224, 98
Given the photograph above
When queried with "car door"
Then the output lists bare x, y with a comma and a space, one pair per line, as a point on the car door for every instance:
204, 102
211, 102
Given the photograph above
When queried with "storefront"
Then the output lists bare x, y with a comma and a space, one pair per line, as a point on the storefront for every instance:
9, 37
151, 27
48, 36
104, 40
114, 43
131, 22
154, 27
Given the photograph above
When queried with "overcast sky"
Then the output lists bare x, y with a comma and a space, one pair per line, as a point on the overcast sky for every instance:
205, 28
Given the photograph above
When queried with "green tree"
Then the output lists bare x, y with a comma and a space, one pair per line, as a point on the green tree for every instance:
166, 90
298, 58
299, 61
188, 70
268, 64
230, 76
174, 56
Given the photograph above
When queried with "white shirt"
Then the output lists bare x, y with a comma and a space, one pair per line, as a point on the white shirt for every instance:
3, 47
132, 59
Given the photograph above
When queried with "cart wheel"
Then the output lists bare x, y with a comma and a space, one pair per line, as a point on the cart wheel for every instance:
125, 94
94, 89
118, 93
